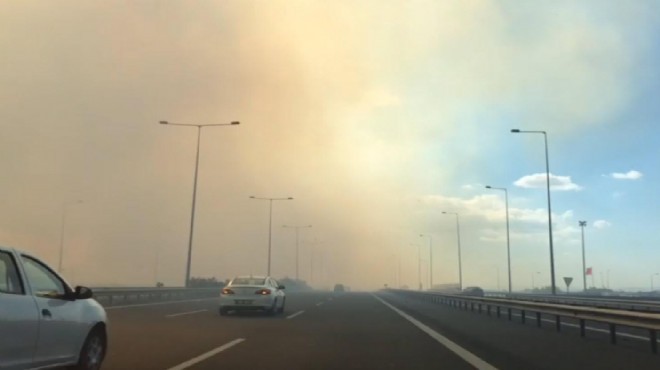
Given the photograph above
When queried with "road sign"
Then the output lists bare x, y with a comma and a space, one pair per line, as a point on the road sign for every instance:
568, 280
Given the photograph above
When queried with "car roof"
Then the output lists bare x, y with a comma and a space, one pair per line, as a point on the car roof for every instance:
251, 277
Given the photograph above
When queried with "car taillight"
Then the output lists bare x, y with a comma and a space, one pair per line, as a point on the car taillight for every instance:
227, 291
262, 292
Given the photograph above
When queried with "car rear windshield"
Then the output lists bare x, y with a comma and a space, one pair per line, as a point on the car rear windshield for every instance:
248, 281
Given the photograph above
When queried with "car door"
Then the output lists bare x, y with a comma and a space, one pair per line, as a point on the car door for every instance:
19, 317
61, 331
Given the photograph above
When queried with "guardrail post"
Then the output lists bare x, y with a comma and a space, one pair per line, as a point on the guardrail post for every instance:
538, 319
613, 333
582, 331
479, 304
509, 313
522, 316
654, 340
488, 309
498, 312
558, 322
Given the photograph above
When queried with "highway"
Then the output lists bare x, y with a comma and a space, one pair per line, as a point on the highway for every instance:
322, 330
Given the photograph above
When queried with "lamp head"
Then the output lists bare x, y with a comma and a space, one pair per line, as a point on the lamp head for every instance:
515, 130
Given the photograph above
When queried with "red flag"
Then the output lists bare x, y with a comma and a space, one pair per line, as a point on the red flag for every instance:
589, 271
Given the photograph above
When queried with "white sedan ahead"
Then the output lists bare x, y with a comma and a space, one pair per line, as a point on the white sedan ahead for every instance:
252, 293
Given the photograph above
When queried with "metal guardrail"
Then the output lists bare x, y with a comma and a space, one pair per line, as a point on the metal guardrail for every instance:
624, 303
112, 296
613, 318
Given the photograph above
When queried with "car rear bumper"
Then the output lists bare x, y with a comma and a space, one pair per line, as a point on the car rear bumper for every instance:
246, 303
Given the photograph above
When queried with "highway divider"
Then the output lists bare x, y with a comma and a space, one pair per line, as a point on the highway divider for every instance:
498, 306
623, 303
114, 296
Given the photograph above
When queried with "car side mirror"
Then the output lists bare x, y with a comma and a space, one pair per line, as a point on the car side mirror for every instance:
83, 293
281, 287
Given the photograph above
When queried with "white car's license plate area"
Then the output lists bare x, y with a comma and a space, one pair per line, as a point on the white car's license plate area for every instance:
243, 301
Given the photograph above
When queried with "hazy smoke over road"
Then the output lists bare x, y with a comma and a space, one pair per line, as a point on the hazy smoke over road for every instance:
358, 110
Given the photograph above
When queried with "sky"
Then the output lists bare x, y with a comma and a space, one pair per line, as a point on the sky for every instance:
375, 116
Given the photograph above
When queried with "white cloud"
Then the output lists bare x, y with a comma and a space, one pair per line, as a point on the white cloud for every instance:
472, 187
538, 180
630, 175
602, 224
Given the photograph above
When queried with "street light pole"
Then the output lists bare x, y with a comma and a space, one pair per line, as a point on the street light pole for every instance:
458, 239
419, 265
584, 263
508, 239
547, 178
270, 223
194, 199
64, 206
430, 259
297, 248
533, 285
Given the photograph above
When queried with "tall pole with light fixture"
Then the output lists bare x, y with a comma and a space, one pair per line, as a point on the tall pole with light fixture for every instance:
508, 240
270, 223
419, 265
458, 240
430, 258
297, 228
584, 263
194, 199
547, 178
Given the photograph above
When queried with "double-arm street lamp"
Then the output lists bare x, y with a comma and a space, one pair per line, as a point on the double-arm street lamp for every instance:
430, 258
547, 178
458, 240
194, 199
508, 240
297, 228
270, 223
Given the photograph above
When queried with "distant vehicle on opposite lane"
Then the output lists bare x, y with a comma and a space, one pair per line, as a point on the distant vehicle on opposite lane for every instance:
45, 323
473, 291
252, 293
339, 288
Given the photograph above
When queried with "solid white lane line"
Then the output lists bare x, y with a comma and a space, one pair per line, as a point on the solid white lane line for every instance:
207, 355
185, 313
466, 355
156, 304
294, 315
320, 303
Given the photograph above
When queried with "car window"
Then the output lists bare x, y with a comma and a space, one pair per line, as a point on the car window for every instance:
43, 282
248, 281
9, 280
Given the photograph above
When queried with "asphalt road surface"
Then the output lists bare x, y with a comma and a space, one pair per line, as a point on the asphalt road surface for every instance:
354, 331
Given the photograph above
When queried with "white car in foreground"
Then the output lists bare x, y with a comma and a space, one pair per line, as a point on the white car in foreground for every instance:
252, 293
44, 323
